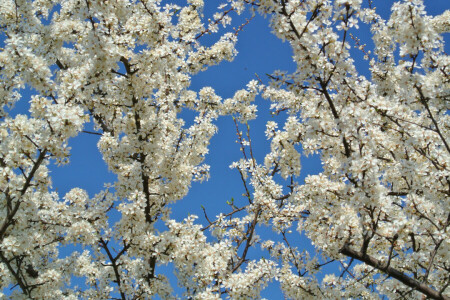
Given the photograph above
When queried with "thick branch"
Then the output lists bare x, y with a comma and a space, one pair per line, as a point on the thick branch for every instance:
10, 216
114, 265
323, 85
424, 100
16, 275
412, 283
248, 241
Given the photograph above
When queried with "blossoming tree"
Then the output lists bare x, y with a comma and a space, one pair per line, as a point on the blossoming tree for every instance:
378, 209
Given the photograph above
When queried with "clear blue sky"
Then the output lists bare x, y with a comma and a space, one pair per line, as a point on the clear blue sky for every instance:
260, 52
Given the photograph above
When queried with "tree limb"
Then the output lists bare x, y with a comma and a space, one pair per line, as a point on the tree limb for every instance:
412, 283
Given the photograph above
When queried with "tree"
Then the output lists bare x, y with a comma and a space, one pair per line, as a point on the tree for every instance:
379, 208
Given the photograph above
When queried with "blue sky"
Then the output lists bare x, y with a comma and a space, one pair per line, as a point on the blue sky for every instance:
260, 52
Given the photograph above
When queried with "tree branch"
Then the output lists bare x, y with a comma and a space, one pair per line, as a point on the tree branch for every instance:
406, 280
25, 288
114, 265
9, 218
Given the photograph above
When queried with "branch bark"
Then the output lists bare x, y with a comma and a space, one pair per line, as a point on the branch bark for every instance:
394, 273
10, 216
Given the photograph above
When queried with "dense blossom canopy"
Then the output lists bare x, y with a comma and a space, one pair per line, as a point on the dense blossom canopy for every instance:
378, 209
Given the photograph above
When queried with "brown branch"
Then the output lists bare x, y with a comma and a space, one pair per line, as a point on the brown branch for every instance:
433, 254
114, 265
248, 241
323, 85
424, 102
61, 65
10, 216
16, 275
216, 22
101, 122
91, 132
394, 273
225, 216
